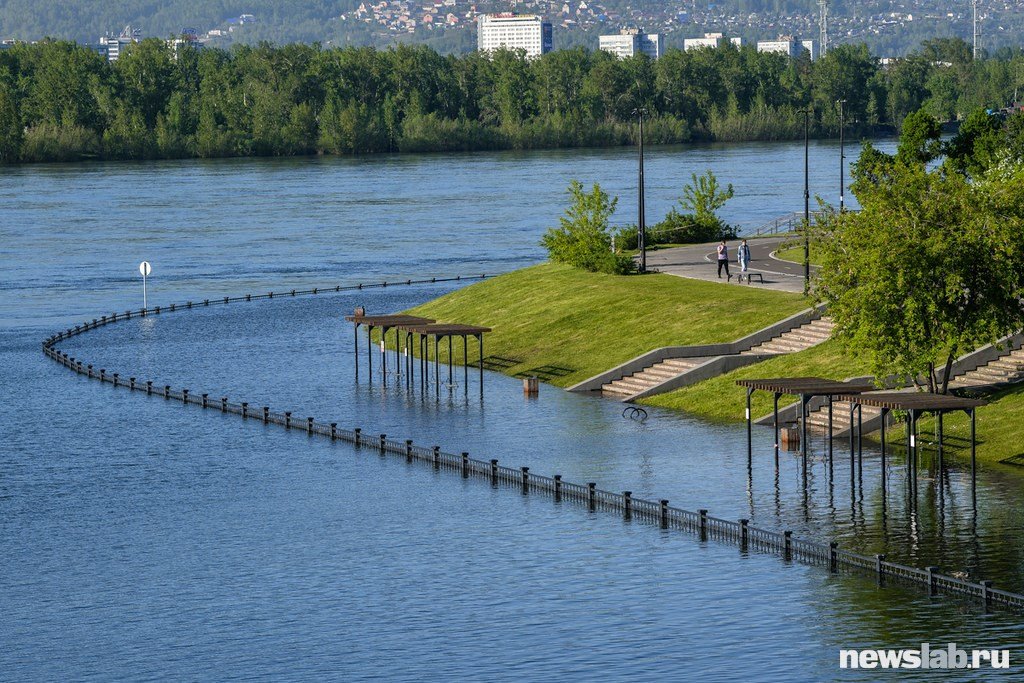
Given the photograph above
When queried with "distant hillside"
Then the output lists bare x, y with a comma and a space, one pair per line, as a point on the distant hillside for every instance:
889, 27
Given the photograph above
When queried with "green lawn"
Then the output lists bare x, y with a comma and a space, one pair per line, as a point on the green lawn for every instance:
579, 324
720, 399
796, 254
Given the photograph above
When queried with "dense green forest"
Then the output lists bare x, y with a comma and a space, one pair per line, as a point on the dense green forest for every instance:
61, 101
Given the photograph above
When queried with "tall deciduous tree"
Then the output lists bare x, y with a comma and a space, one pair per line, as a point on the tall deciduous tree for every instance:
930, 268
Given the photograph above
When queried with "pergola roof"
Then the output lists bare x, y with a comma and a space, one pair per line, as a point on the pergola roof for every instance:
445, 329
806, 386
911, 400
388, 320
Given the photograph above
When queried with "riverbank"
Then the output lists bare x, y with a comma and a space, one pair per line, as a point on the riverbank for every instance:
565, 325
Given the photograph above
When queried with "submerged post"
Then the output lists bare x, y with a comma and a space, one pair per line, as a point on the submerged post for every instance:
750, 438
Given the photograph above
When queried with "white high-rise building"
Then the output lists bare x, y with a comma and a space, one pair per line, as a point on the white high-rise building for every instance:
711, 40
112, 47
632, 41
528, 32
788, 45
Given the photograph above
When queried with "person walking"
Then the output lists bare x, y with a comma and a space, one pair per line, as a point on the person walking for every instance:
743, 256
723, 260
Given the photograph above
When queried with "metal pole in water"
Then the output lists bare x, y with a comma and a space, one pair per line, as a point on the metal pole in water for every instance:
750, 438
145, 269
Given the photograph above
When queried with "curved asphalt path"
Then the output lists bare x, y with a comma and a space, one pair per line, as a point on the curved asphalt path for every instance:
699, 261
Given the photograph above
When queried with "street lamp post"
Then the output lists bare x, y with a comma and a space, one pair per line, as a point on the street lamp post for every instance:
640, 223
842, 155
807, 200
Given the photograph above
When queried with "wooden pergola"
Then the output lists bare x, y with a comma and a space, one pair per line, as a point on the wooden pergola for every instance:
407, 327
915, 404
449, 331
385, 323
806, 388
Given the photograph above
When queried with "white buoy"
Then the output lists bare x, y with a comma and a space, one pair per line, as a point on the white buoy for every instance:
145, 269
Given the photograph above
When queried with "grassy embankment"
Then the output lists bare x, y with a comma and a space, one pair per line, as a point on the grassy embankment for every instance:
796, 254
565, 325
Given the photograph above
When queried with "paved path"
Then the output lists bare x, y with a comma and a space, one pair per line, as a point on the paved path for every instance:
700, 262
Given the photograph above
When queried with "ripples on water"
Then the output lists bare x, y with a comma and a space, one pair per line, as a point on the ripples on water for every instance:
145, 539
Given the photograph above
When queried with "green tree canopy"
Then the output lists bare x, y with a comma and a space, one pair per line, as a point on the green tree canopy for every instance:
930, 268
583, 237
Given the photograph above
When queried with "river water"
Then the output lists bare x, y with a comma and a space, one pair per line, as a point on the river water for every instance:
142, 539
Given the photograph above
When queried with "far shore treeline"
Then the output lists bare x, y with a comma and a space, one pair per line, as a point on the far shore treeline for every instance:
60, 101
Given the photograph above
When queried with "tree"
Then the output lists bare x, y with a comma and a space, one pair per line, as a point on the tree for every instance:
703, 196
583, 238
931, 267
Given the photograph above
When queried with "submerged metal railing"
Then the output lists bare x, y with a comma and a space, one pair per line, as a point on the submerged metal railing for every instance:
588, 495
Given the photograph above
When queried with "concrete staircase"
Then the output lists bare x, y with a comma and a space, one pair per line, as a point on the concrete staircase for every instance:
1005, 369
798, 339
645, 381
649, 377
817, 421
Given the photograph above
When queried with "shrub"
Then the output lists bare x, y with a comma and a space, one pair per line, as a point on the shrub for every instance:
583, 238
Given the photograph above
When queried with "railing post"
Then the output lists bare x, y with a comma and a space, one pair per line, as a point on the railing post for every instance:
266, 414
245, 410
103, 375
89, 368
437, 456
591, 495
465, 464
526, 479
627, 503
167, 391
833, 557
287, 419
223, 404
558, 486
494, 471
115, 376
986, 594
744, 533
334, 431
149, 387
703, 524
358, 433
787, 545
408, 450
184, 396
131, 383
664, 512
309, 425
931, 579
206, 400
880, 567
383, 446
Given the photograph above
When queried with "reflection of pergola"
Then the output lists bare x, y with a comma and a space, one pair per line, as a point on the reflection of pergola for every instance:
408, 326
916, 403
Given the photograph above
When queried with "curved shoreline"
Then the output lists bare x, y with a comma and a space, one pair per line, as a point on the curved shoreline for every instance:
700, 523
